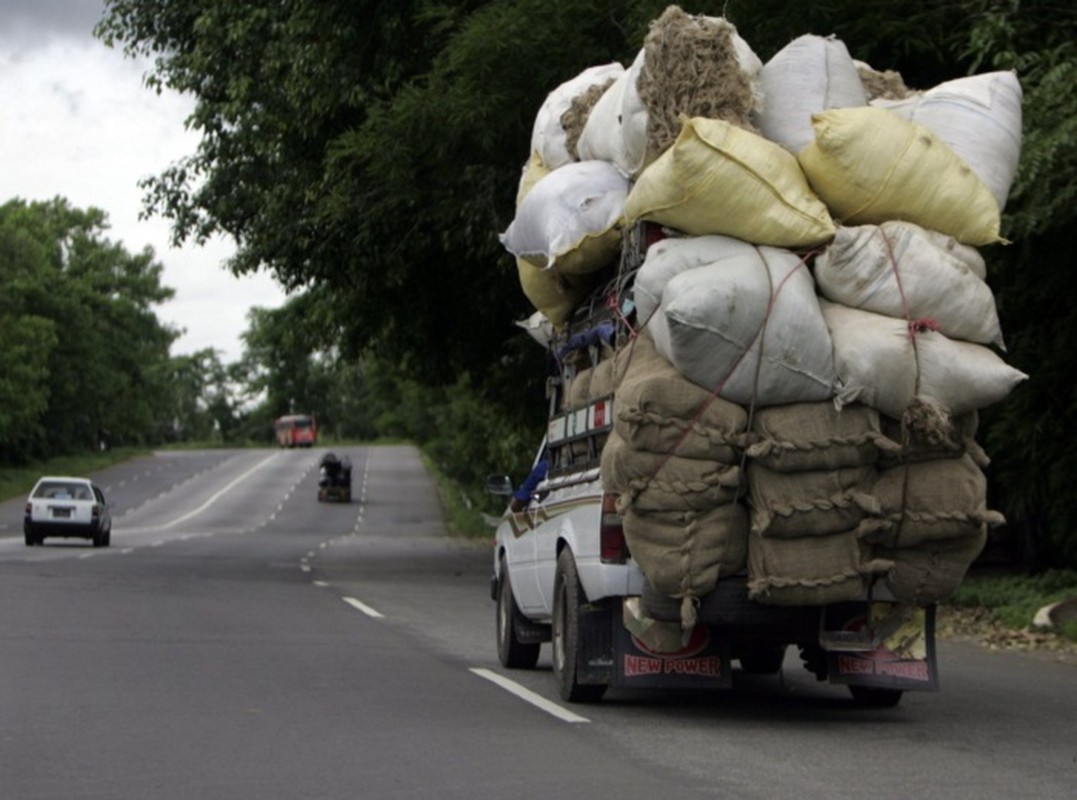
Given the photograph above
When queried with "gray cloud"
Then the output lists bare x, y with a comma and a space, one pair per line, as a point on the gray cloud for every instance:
27, 24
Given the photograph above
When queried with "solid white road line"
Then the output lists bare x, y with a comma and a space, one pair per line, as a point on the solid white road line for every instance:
538, 701
370, 612
213, 499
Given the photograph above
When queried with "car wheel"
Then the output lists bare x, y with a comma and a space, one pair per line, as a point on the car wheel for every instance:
762, 659
875, 696
30, 539
567, 598
99, 539
512, 653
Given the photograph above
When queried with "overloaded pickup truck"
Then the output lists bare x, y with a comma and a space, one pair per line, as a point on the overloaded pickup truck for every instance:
564, 573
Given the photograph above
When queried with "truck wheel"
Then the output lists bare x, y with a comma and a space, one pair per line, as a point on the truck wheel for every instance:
875, 696
567, 599
512, 653
762, 659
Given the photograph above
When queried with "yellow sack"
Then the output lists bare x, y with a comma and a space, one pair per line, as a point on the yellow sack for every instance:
870, 166
534, 171
718, 178
554, 294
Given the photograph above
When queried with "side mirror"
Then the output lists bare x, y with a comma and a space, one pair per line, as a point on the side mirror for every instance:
499, 485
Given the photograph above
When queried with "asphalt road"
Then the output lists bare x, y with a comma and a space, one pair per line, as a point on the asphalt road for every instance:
241, 640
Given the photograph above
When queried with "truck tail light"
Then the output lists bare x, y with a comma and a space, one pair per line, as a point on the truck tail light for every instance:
614, 549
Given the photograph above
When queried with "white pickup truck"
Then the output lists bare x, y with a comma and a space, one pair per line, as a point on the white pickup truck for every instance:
563, 573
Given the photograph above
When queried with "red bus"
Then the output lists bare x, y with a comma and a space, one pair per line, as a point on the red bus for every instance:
296, 430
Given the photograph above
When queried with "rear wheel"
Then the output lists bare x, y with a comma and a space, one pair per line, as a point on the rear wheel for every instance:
875, 696
512, 653
567, 598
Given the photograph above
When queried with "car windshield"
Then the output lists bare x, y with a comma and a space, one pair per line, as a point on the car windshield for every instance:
62, 490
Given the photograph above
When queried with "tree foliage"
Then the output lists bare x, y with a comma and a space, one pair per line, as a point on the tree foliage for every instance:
368, 153
85, 351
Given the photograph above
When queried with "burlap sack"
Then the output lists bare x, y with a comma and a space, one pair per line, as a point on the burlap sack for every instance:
718, 178
817, 436
578, 390
869, 165
809, 504
928, 432
931, 572
929, 501
809, 571
651, 482
683, 554
658, 410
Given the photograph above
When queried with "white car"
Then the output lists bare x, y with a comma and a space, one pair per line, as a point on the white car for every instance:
67, 507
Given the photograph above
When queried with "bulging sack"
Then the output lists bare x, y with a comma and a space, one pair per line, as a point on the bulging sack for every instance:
548, 136
808, 75
902, 270
979, 116
869, 166
669, 257
749, 329
570, 218
718, 178
880, 363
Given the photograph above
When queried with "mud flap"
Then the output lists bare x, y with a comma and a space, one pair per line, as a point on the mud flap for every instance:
703, 662
594, 664
900, 653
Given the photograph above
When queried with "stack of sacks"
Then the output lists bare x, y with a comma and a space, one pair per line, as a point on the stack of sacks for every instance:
557, 267
810, 476
740, 320
921, 289
913, 322
933, 515
674, 458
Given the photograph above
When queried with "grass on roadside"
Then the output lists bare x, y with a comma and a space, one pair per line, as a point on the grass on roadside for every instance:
18, 481
1013, 600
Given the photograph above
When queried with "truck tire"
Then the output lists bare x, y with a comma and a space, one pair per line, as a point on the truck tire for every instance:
875, 696
511, 652
567, 598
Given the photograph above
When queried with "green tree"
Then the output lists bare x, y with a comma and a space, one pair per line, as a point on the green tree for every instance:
79, 308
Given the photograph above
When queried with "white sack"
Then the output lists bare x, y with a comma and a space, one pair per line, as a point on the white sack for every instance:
634, 120
669, 257
940, 279
711, 323
603, 136
878, 365
979, 117
580, 200
548, 138
808, 75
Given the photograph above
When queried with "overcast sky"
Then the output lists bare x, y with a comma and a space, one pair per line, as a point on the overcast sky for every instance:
76, 121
